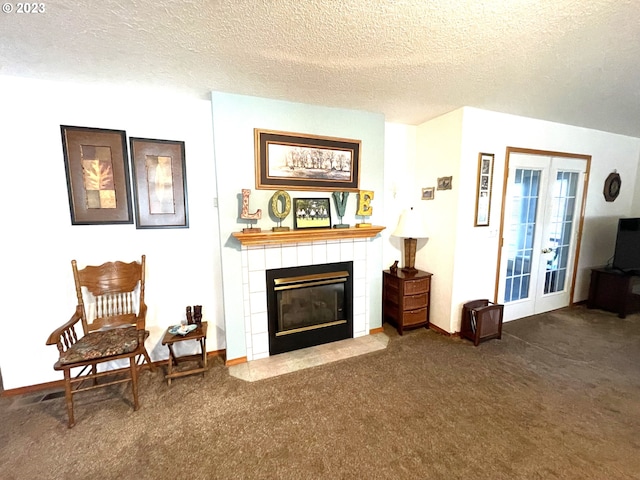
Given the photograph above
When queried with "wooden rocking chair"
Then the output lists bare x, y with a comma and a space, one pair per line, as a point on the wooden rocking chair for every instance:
112, 312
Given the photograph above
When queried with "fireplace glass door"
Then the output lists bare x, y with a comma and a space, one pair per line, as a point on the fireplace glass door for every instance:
309, 305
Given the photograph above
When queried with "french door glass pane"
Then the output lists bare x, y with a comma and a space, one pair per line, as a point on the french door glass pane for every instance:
562, 212
522, 226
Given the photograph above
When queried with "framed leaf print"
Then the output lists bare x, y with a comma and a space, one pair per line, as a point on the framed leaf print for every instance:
160, 183
97, 173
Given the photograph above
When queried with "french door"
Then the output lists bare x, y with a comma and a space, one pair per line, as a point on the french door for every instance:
540, 232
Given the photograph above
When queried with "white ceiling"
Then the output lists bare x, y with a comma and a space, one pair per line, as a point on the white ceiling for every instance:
569, 61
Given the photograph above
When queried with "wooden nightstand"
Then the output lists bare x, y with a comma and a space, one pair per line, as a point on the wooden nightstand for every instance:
406, 299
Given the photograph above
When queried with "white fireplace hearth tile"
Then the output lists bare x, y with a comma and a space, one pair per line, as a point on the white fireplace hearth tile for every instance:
257, 281
305, 254
273, 257
319, 252
360, 269
260, 322
289, 256
346, 250
260, 345
258, 302
333, 252
359, 249
359, 325
359, 306
255, 258
308, 357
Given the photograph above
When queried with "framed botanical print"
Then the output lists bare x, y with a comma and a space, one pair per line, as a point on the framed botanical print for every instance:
97, 173
160, 183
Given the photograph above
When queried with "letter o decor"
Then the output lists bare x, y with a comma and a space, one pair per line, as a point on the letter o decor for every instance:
286, 202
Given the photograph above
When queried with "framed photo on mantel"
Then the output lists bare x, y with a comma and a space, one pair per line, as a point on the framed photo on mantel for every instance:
312, 213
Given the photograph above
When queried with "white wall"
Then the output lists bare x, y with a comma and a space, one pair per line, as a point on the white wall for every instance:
475, 249
438, 155
39, 242
399, 185
234, 118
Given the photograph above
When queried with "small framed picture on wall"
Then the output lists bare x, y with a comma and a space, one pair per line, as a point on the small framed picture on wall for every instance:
445, 183
428, 193
483, 193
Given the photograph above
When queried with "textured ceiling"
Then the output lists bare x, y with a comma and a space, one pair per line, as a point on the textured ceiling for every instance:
570, 61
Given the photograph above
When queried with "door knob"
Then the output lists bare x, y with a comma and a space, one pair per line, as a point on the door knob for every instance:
547, 250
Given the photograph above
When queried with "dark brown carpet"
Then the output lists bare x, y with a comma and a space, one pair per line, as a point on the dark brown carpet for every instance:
557, 398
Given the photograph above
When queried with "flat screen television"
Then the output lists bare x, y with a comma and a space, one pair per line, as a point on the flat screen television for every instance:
627, 253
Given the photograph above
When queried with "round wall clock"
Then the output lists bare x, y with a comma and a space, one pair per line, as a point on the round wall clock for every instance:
612, 187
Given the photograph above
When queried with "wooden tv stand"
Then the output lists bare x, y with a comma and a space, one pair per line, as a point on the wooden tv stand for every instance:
614, 291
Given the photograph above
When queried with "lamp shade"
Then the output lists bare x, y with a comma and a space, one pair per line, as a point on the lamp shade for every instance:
411, 225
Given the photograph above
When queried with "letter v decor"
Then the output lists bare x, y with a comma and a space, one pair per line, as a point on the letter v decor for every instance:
340, 199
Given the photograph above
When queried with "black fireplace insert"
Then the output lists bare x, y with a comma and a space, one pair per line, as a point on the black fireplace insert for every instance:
309, 305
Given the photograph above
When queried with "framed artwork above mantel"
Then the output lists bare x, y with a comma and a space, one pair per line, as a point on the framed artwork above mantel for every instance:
296, 161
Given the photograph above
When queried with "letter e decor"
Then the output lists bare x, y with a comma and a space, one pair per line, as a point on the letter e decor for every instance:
364, 206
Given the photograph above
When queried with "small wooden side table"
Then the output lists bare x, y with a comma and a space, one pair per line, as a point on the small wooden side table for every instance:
199, 334
406, 299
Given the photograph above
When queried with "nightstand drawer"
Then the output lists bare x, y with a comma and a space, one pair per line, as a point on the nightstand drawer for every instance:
414, 317
419, 285
414, 302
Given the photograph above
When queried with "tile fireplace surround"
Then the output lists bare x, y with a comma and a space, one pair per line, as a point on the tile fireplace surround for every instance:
257, 259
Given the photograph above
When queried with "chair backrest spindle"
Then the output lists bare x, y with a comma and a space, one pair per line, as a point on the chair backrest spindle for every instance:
114, 293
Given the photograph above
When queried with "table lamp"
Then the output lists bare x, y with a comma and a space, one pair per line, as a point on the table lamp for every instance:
411, 226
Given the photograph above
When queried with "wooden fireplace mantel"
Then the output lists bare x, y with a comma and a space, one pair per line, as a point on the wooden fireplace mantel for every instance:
306, 235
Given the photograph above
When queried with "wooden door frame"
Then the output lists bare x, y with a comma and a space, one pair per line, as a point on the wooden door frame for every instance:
545, 153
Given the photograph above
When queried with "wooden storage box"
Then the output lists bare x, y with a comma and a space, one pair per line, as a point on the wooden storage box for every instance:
481, 320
